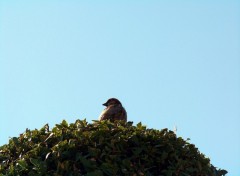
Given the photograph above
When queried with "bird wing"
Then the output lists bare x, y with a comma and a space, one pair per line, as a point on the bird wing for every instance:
103, 114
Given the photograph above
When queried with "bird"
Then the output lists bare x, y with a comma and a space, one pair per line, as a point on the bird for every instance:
113, 111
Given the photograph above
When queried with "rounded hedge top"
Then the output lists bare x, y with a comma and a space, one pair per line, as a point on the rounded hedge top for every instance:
102, 148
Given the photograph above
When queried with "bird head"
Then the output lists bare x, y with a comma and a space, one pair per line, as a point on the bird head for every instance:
112, 101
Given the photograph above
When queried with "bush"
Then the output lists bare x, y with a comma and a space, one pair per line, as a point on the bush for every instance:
102, 148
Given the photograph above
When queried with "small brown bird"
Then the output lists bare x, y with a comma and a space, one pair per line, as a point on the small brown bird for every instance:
113, 111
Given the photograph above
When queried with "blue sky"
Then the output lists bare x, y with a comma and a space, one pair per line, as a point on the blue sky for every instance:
168, 62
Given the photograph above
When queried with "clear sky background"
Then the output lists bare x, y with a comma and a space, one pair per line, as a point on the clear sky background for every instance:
168, 62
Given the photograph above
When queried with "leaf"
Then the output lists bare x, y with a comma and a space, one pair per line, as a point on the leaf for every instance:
51, 134
108, 169
88, 165
47, 155
64, 123
139, 125
15, 140
35, 162
22, 164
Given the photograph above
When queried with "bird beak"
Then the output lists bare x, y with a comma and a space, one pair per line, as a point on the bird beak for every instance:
104, 104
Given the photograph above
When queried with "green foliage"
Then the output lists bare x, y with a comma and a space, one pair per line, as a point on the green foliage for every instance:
102, 148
